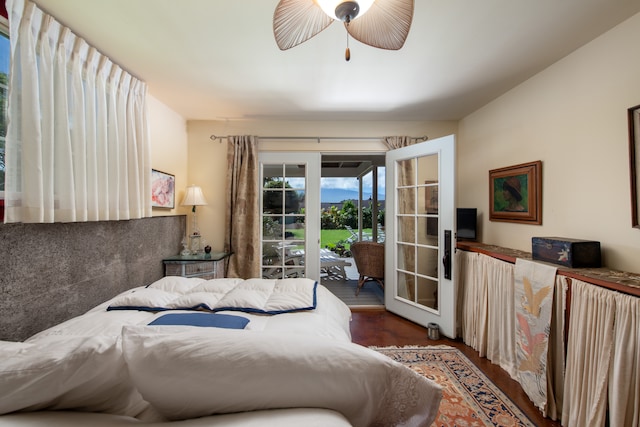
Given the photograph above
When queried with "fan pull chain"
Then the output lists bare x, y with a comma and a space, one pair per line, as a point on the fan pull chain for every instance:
347, 53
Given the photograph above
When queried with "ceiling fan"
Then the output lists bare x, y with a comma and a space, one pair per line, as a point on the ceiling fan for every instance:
383, 24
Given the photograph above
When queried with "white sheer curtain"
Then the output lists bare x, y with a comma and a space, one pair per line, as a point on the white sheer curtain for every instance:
589, 350
624, 382
488, 314
77, 145
603, 358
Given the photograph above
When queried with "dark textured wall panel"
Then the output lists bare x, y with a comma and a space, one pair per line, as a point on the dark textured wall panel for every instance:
52, 272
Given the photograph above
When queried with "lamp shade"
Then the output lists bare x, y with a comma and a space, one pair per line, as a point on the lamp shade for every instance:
193, 197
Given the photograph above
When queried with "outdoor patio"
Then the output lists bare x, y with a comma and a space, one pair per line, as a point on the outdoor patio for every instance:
371, 295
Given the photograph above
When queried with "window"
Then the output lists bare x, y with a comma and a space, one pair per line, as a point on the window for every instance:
4, 92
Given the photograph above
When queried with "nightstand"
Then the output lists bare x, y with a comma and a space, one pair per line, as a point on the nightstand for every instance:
204, 266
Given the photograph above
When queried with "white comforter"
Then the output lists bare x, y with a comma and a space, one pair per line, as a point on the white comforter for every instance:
160, 373
196, 372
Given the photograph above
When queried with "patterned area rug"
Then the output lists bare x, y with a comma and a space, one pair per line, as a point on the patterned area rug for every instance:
469, 397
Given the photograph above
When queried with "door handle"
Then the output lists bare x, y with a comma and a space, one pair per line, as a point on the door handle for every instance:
446, 259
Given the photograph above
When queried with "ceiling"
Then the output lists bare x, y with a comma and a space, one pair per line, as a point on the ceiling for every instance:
217, 59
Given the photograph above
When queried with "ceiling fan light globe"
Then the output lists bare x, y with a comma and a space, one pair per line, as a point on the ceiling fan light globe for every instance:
331, 6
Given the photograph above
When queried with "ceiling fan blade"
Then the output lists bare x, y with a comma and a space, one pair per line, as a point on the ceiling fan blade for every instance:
296, 21
386, 25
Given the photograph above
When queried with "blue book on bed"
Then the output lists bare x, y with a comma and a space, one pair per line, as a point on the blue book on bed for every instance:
202, 319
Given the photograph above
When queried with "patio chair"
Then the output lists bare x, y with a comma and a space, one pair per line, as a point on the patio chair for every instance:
332, 265
286, 257
369, 259
355, 237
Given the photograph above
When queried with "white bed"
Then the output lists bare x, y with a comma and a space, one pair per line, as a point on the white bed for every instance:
292, 363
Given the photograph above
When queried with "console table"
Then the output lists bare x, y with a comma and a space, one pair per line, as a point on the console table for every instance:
593, 337
621, 281
204, 266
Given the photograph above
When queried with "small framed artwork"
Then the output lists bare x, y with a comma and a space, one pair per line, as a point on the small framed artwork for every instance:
163, 190
515, 193
634, 163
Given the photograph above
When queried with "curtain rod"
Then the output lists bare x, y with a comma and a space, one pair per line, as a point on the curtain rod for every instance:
319, 138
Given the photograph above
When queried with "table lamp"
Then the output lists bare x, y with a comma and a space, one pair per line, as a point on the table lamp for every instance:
194, 197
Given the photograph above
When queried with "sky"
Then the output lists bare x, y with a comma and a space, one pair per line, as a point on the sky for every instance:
352, 183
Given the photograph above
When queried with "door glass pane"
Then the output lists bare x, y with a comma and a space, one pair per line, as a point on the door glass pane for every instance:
417, 210
406, 229
272, 176
406, 257
296, 183
271, 227
293, 200
406, 174
430, 226
427, 290
428, 198
272, 201
428, 261
406, 200
428, 168
406, 286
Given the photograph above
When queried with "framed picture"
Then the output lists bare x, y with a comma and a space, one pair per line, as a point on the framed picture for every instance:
634, 163
163, 190
515, 193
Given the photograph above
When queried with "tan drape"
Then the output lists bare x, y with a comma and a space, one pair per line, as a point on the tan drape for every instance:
242, 217
394, 142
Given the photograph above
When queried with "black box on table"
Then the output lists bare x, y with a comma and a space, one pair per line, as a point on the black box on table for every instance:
572, 253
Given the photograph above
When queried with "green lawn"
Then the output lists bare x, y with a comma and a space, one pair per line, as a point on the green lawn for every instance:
333, 236
330, 236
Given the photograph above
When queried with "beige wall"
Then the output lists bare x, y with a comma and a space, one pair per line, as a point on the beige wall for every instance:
208, 163
169, 149
572, 116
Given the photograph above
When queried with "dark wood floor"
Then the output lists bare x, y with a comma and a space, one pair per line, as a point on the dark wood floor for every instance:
378, 327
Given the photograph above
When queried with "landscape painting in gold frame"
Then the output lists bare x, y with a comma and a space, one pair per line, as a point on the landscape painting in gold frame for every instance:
515, 193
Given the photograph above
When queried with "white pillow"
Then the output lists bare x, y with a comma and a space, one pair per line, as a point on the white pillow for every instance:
149, 299
82, 373
176, 284
193, 372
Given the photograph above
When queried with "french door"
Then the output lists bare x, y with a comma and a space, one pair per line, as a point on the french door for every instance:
419, 226
290, 212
